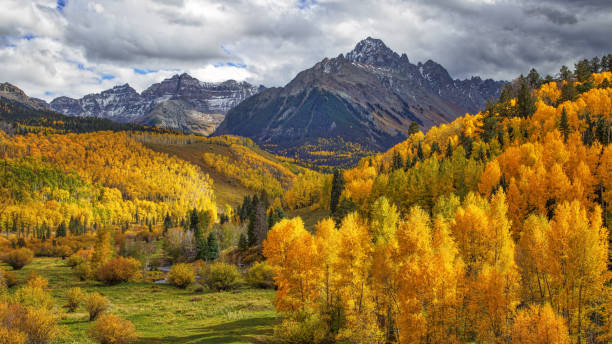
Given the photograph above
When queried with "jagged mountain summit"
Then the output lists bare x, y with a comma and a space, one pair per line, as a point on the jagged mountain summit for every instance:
15, 94
181, 102
369, 97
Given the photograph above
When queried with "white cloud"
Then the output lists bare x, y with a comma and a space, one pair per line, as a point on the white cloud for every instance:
275, 39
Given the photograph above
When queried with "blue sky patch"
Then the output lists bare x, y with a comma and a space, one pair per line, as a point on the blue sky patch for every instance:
305, 4
230, 64
144, 71
61, 4
107, 77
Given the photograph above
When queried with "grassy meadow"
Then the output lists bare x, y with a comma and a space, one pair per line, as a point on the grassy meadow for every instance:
162, 313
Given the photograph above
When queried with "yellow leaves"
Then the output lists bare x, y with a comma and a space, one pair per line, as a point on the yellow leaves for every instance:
472, 124
539, 325
292, 251
490, 178
549, 92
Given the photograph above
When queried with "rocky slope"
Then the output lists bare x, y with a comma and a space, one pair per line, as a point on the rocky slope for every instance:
369, 97
180, 102
13, 93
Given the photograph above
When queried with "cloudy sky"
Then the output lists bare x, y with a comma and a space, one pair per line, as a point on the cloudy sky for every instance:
74, 47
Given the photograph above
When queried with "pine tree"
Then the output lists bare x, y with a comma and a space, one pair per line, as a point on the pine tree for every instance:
564, 125
336, 190
61, 230
167, 223
398, 162
420, 153
212, 247
275, 216
243, 244
525, 101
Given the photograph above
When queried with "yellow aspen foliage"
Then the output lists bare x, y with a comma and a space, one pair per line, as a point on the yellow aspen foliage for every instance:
539, 325
549, 92
490, 178
577, 257
353, 266
292, 251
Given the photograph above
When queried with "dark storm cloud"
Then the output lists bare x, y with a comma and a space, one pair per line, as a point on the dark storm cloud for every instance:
276, 39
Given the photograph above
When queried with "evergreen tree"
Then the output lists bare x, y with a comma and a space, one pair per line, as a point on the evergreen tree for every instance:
193, 220
257, 222
258, 226
198, 235
564, 125
582, 70
167, 223
565, 73
449, 150
336, 190
413, 128
397, 161
534, 78
243, 244
525, 100
275, 216
212, 247
61, 230
420, 153
568, 92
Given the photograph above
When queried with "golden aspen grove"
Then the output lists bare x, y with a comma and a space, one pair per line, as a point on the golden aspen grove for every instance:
490, 229
353, 205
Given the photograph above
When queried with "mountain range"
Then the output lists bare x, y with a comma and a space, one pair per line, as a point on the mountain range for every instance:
365, 100
369, 96
180, 102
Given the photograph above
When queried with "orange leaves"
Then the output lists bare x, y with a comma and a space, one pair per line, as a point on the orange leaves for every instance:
539, 325
292, 251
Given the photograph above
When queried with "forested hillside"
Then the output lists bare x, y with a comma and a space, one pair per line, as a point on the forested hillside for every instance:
492, 228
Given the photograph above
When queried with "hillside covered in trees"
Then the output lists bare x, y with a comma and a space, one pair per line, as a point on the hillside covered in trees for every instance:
490, 229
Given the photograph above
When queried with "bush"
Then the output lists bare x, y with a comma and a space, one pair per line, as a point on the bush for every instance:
37, 281
308, 330
83, 271
12, 336
75, 298
221, 276
261, 275
19, 258
110, 329
22, 324
117, 270
10, 278
181, 275
34, 295
81, 256
96, 304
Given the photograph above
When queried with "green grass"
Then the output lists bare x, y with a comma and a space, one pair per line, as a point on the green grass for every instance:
310, 217
165, 314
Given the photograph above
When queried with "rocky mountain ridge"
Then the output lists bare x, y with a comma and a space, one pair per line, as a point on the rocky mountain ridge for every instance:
181, 102
369, 96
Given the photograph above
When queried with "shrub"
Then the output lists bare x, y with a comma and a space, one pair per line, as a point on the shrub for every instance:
96, 304
261, 275
37, 281
12, 336
75, 298
81, 256
19, 258
309, 330
10, 278
221, 276
40, 324
27, 324
33, 295
83, 271
181, 275
110, 329
117, 270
